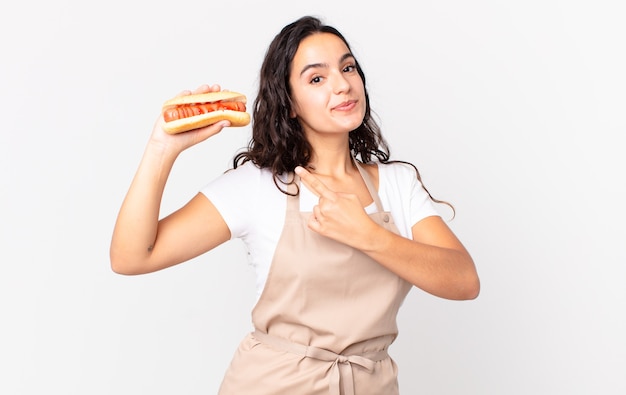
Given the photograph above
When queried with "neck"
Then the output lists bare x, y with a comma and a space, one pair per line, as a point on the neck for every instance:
332, 162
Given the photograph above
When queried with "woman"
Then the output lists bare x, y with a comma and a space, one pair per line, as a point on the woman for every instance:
337, 233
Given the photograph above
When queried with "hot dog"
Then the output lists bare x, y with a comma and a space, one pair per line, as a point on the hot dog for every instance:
189, 112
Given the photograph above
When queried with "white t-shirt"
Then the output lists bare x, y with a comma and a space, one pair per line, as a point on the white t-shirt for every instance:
254, 208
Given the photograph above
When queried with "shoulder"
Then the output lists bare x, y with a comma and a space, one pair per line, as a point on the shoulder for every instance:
247, 174
396, 174
390, 172
244, 196
400, 180
248, 169
246, 179
400, 168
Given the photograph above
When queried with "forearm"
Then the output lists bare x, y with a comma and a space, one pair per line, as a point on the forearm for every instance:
447, 272
433, 260
137, 222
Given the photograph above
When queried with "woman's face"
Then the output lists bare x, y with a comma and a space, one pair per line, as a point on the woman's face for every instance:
327, 91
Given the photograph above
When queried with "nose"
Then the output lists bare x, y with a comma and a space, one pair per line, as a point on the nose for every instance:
340, 83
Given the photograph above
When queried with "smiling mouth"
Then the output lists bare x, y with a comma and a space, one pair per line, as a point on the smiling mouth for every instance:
345, 106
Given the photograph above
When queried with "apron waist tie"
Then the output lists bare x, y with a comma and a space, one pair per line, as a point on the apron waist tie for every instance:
341, 368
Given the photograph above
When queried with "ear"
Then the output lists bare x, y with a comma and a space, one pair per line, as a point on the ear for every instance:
293, 114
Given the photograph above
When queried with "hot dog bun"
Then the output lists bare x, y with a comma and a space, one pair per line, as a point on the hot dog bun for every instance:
203, 118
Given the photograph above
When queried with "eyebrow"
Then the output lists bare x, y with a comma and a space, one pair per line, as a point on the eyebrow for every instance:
316, 65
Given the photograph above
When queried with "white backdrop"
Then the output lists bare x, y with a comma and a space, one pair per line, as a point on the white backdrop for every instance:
514, 111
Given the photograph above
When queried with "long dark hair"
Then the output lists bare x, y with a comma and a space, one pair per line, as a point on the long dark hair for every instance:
278, 141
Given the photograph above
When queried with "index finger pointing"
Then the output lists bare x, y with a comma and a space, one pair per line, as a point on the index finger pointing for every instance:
313, 183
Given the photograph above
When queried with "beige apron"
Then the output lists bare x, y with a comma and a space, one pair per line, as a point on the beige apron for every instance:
324, 319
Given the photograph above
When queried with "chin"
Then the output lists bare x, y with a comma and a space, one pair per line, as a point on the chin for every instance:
356, 124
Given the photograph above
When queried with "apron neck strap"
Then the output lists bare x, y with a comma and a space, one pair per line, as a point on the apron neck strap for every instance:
370, 186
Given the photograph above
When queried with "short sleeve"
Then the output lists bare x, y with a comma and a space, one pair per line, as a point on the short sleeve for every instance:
403, 194
232, 193
420, 202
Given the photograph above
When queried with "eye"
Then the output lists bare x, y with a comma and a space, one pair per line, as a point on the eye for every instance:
316, 80
349, 68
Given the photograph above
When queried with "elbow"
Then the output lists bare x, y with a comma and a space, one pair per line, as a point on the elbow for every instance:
465, 289
460, 284
469, 290
473, 290
460, 287
469, 286
119, 267
130, 264
121, 264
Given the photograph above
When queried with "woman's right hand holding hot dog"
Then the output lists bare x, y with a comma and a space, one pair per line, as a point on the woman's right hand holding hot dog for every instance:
176, 143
